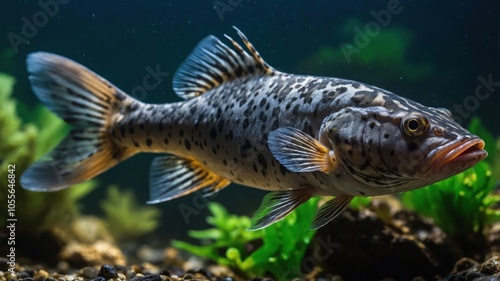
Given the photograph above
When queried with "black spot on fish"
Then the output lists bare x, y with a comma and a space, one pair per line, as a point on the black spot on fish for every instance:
131, 129
356, 99
122, 131
246, 122
255, 168
262, 161
412, 146
336, 136
165, 140
350, 152
213, 133
220, 125
245, 149
276, 111
149, 142
275, 125
386, 136
372, 125
160, 126
132, 107
229, 136
136, 144
181, 133
263, 116
141, 126
283, 170
263, 102
392, 152
187, 144
193, 109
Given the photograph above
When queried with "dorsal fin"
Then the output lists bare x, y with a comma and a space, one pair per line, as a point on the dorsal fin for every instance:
213, 63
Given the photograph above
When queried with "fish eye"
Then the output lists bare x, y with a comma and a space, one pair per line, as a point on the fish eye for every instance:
415, 124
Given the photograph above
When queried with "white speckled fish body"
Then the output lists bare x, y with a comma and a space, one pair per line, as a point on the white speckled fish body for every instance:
244, 122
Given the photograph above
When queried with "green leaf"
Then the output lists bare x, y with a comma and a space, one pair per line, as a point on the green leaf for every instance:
283, 244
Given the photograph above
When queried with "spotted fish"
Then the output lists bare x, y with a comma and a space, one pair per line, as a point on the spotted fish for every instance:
245, 122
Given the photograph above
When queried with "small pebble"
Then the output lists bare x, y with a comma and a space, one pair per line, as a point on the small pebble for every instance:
205, 272
88, 272
130, 274
23, 275
42, 274
227, 279
50, 278
165, 272
490, 267
165, 278
62, 267
473, 275
455, 277
108, 272
188, 277
152, 277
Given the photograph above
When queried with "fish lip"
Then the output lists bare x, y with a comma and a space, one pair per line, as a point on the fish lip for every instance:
456, 157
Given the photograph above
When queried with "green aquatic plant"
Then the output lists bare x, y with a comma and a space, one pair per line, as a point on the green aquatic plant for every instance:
282, 245
125, 217
387, 50
461, 205
491, 145
464, 204
360, 202
17, 141
22, 143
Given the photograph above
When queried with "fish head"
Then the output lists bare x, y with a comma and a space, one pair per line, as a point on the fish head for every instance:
398, 150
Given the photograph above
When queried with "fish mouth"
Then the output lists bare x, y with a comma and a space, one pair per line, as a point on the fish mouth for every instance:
456, 157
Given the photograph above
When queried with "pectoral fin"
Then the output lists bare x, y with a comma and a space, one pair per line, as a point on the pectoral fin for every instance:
276, 205
299, 152
330, 210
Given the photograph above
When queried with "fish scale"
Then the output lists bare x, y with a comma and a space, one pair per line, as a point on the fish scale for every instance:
242, 121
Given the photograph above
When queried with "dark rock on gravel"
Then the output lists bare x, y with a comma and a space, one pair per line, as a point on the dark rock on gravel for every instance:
108, 272
362, 246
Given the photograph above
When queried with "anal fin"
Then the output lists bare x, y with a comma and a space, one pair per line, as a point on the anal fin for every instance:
330, 210
276, 205
172, 177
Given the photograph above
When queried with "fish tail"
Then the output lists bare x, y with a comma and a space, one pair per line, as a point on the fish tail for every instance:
87, 102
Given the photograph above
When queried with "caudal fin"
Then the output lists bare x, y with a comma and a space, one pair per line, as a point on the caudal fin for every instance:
87, 102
